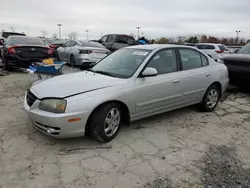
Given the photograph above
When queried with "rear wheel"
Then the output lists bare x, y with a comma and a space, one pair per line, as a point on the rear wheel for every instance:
72, 61
211, 98
105, 122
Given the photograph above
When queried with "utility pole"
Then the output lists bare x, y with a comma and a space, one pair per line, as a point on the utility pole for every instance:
138, 31
59, 26
87, 34
237, 36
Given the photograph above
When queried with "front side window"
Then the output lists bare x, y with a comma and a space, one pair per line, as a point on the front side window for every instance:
190, 59
122, 63
111, 38
103, 39
164, 61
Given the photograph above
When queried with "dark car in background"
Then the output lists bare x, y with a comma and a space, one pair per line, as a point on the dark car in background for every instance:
238, 65
115, 42
21, 51
4, 35
55, 44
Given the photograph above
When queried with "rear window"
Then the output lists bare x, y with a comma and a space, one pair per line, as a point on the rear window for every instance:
224, 48
210, 47
25, 40
90, 44
7, 34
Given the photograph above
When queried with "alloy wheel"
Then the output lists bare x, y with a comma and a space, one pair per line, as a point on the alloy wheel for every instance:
112, 122
212, 98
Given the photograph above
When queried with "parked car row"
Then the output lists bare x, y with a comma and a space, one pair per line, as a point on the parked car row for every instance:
130, 84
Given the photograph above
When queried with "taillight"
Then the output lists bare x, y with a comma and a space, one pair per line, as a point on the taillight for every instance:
219, 51
12, 50
53, 46
85, 51
51, 51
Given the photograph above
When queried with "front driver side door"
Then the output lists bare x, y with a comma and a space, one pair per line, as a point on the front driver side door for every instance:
162, 92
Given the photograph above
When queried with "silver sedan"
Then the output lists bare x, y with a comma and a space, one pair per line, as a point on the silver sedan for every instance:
83, 54
130, 84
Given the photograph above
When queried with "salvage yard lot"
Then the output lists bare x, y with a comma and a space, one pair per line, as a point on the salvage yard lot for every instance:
184, 148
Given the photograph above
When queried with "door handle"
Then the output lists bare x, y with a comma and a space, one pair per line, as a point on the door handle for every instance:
176, 81
207, 74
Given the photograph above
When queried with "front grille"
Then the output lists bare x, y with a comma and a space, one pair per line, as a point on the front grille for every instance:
31, 98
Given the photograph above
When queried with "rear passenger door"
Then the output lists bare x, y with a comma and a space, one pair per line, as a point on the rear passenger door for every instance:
196, 75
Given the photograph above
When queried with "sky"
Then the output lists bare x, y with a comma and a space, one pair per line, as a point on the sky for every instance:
157, 18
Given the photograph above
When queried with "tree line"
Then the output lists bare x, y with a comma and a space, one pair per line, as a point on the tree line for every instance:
228, 41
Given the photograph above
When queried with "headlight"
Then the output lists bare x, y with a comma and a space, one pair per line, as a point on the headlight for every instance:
53, 105
220, 61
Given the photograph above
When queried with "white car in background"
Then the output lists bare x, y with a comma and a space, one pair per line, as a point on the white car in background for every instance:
215, 51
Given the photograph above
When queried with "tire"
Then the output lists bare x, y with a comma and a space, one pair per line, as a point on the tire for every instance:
103, 125
57, 56
72, 61
210, 99
6, 63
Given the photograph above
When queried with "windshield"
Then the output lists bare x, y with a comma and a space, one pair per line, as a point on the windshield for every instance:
122, 63
244, 50
25, 40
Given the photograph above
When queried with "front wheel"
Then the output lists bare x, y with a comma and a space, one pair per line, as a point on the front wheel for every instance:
105, 122
210, 99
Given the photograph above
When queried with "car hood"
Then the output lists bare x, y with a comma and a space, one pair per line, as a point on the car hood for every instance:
73, 84
237, 57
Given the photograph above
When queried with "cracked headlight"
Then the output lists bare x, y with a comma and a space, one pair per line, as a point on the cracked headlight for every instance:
220, 61
53, 105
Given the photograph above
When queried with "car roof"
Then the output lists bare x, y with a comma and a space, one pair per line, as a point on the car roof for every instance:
158, 46
208, 44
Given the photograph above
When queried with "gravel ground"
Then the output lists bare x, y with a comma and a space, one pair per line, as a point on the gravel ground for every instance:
183, 148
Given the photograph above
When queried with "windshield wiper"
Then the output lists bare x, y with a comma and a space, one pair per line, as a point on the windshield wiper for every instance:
103, 72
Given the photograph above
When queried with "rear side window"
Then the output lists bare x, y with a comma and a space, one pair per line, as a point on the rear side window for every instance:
164, 61
190, 59
204, 60
224, 48
25, 40
210, 47
201, 47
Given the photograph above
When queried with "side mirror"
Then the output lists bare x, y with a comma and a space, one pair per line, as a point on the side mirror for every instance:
235, 51
1, 41
149, 71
